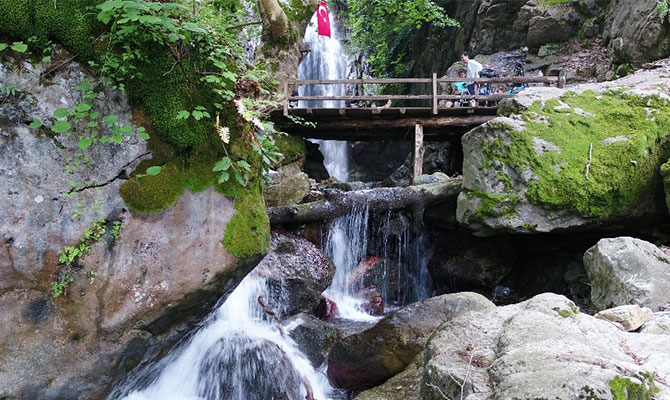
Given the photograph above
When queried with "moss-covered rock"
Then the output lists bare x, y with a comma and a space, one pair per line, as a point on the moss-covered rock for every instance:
564, 159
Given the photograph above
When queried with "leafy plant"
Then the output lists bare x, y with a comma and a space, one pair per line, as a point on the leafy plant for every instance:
663, 10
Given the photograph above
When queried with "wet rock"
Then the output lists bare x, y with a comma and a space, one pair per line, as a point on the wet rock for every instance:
268, 372
626, 270
630, 317
314, 337
374, 302
380, 352
541, 348
326, 309
297, 271
313, 165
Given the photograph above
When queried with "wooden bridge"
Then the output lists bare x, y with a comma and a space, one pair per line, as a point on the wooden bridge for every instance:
357, 118
352, 118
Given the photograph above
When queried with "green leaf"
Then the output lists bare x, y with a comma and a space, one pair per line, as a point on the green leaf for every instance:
153, 171
90, 95
92, 124
84, 143
105, 139
3, 46
61, 113
109, 5
240, 179
61, 126
83, 107
224, 177
200, 108
94, 114
46, 59
222, 165
229, 75
110, 119
36, 124
198, 115
143, 136
84, 86
244, 165
116, 138
19, 47
183, 114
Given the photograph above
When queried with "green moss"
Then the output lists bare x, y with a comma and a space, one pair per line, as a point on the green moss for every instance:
292, 147
554, 2
622, 173
501, 205
248, 232
625, 389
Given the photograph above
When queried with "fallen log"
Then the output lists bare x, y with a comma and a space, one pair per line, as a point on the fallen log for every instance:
337, 204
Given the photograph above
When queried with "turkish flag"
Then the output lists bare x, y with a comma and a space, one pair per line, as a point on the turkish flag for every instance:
324, 20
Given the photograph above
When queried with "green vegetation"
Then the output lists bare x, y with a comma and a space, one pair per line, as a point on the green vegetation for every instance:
69, 255
622, 171
385, 28
178, 63
555, 2
625, 389
663, 10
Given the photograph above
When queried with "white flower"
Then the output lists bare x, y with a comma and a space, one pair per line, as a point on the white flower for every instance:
224, 133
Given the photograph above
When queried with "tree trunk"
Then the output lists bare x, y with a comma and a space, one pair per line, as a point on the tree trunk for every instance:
274, 16
416, 198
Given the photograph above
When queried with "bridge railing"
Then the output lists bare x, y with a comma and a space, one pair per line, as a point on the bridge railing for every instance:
434, 96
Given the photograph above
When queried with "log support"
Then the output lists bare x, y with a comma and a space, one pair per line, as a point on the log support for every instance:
417, 155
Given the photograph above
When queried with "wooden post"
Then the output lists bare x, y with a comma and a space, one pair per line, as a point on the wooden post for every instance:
561, 81
286, 98
434, 93
417, 156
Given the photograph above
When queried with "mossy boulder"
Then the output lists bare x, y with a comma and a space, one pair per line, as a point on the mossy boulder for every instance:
565, 159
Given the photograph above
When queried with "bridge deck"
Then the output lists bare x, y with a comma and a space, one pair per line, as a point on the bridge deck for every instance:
396, 123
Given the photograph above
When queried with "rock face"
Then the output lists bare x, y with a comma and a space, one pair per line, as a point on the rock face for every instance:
313, 336
527, 172
636, 32
625, 270
296, 270
382, 351
289, 186
541, 348
131, 284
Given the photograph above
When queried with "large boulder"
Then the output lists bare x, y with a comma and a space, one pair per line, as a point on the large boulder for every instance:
541, 348
382, 351
636, 31
548, 23
626, 270
559, 160
136, 277
296, 271
289, 186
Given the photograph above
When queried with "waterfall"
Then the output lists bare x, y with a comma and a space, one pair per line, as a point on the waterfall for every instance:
238, 353
326, 60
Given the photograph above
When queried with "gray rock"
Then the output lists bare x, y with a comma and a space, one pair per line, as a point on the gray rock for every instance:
297, 272
314, 336
625, 270
162, 270
289, 186
380, 352
630, 317
659, 324
541, 348
636, 33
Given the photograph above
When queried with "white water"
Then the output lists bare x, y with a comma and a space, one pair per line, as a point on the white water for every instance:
238, 354
326, 60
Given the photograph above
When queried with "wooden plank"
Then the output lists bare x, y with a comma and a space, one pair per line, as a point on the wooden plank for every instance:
353, 98
417, 155
358, 81
381, 123
505, 79
434, 93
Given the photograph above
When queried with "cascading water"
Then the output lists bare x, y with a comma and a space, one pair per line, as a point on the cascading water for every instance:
239, 353
326, 60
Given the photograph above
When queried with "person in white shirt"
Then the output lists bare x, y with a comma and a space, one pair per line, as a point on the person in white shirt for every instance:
474, 68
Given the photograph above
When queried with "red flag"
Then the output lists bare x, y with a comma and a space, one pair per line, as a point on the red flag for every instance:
324, 20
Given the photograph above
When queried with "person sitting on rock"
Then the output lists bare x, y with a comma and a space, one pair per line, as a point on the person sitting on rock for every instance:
460, 88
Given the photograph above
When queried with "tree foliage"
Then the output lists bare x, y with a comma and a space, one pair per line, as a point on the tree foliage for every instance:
385, 29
